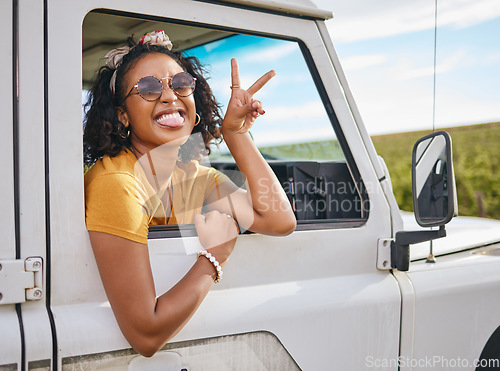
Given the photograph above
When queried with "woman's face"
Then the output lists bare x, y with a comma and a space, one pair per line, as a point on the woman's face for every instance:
169, 119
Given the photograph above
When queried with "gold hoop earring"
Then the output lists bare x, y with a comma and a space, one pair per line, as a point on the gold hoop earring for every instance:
127, 135
198, 119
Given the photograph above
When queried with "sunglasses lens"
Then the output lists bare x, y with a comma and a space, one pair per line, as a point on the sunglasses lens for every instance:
150, 88
183, 84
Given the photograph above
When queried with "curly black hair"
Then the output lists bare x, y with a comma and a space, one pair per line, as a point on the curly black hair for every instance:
104, 134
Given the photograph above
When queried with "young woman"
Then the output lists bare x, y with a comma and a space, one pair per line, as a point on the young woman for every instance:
146, 106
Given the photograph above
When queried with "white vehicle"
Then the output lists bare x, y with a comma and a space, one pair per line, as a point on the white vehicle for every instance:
350, 289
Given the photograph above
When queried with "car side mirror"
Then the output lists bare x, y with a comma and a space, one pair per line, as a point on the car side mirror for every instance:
433, 180
434, 195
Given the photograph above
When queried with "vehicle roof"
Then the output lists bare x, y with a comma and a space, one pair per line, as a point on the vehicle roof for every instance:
304, 8
103, 32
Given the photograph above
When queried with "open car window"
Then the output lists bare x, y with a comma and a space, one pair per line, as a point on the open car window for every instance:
295, 136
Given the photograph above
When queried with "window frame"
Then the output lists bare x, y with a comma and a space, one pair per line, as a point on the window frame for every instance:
185, 230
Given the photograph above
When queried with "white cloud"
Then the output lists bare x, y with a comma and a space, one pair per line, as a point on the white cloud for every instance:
309, 110
291, 124
213, 45
280, 136
271, 54
362, 61
491, 59
449, 64
393, 107
465, 13
361, 20
389, 105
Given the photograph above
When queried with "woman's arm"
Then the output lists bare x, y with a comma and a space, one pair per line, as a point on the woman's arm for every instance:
148, 322
264, 208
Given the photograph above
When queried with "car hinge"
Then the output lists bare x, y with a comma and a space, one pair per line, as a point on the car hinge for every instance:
384, 253
21, 280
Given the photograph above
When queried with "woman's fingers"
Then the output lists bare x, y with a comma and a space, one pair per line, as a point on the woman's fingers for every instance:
257, 85
215, 228
257, 108
242, 108
199, 219
235, 74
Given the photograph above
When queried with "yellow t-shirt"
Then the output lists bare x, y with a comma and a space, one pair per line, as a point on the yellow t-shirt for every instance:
120, 201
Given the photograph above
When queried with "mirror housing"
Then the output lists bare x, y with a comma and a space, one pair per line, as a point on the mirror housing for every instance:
433, 180
434, 195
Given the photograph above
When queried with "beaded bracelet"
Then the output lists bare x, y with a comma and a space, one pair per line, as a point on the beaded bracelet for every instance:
215, 263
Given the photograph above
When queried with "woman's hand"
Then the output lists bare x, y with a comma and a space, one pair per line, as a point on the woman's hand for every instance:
242, 109
217, 232
263, 207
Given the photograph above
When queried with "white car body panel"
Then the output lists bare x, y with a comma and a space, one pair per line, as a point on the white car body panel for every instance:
313, 300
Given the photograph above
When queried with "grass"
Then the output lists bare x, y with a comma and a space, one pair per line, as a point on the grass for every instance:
316, 150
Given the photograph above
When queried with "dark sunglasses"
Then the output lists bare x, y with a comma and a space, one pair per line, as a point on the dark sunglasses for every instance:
150, 88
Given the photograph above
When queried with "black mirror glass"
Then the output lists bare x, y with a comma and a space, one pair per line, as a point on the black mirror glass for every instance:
434, 196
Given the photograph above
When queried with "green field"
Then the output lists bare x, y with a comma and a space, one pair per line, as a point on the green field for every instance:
476, 157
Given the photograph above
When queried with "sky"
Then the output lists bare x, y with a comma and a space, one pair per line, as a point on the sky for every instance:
387, 51
386, 48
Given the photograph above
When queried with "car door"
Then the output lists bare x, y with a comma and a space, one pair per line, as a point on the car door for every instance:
311, 300
26, 339
11, 348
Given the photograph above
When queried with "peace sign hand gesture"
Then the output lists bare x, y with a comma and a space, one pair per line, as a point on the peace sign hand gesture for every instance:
242, 109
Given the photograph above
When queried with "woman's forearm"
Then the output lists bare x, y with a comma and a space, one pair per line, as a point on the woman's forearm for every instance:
172, 310
272, 208
271, 212
148, 322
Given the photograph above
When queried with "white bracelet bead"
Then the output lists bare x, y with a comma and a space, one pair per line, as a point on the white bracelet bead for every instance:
214, 262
